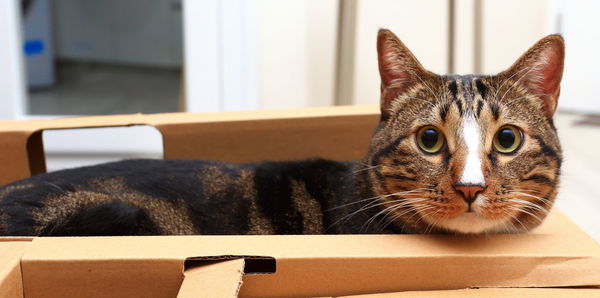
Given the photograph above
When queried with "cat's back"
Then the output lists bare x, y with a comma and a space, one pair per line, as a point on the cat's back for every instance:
170, 197
159, 196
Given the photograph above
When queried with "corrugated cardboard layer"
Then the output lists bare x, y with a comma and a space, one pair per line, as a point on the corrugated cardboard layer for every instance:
340, 133
320, 265
11, 284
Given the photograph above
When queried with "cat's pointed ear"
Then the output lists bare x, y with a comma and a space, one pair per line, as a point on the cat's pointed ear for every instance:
398, 67
540, 69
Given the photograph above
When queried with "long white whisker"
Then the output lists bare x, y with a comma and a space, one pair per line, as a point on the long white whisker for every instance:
543, 200
372, 205
529, 204
415, 209
529, 213
372, 218
400, 193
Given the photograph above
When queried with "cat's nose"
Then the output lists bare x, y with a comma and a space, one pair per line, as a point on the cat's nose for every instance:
469, 191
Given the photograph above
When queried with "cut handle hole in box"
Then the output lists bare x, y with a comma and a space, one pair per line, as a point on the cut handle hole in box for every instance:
70, 148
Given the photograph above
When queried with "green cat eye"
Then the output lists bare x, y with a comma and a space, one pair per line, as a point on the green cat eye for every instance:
507, 139
430, 139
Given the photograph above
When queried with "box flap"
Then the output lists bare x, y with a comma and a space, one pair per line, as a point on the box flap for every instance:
226, 136
11, 284
222, 279
491, 293
557, 255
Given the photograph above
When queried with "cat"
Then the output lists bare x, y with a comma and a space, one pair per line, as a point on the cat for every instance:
451, 154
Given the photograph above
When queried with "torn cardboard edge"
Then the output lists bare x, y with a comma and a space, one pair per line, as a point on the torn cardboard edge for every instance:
226, 136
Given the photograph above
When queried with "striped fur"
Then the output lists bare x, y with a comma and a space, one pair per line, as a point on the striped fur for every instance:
396, 188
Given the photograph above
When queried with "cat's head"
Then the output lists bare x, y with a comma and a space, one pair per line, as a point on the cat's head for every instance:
467, 154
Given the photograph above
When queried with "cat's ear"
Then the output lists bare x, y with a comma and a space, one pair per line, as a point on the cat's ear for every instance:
540, 69
398, 67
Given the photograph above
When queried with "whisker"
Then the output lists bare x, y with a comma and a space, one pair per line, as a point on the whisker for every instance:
414, 209
379, 197
530, 204
544, 200
369, 206
366, 169
388, 209
529, 213
516, 217
432, 225
525, 189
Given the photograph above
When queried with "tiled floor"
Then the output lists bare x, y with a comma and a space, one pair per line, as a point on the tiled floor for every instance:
102, 89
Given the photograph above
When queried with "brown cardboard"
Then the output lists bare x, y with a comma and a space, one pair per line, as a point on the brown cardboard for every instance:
222, 279
340, 133
556, 255
11, 284
491, 293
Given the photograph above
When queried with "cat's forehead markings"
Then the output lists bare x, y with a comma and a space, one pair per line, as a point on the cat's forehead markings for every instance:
471, 134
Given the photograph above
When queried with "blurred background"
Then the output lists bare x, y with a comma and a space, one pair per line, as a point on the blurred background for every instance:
89, 57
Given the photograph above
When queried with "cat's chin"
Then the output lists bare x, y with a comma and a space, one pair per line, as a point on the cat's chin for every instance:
472, 223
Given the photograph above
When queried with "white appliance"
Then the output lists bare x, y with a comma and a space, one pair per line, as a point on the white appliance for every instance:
37, 43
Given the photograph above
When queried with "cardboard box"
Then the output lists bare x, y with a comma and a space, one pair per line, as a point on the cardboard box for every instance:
555, 260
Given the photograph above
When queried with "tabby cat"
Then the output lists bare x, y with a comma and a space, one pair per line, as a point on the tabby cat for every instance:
451, 154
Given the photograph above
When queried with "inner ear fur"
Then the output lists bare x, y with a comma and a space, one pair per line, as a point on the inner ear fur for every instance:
540, 69
398, 68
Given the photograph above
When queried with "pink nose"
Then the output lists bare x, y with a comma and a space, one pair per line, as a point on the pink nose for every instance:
469, 192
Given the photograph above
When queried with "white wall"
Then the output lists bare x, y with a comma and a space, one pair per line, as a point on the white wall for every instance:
12, 77
579, 23
421, 25
510, 27
297, 50
259, 54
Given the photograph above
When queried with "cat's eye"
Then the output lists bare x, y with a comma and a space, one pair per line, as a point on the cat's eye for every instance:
507, 139
430, 139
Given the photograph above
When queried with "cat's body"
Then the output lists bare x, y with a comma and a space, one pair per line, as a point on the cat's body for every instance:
186, 197
458, 154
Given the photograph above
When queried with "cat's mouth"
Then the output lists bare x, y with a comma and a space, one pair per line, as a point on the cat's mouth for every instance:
470, 219
471, 223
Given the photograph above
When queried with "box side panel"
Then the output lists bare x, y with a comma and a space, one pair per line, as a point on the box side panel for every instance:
338, 138
335, 277
14, 158
11, 283
107, 278
491, 293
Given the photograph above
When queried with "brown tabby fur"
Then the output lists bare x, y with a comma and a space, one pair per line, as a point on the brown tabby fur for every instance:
396, 188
